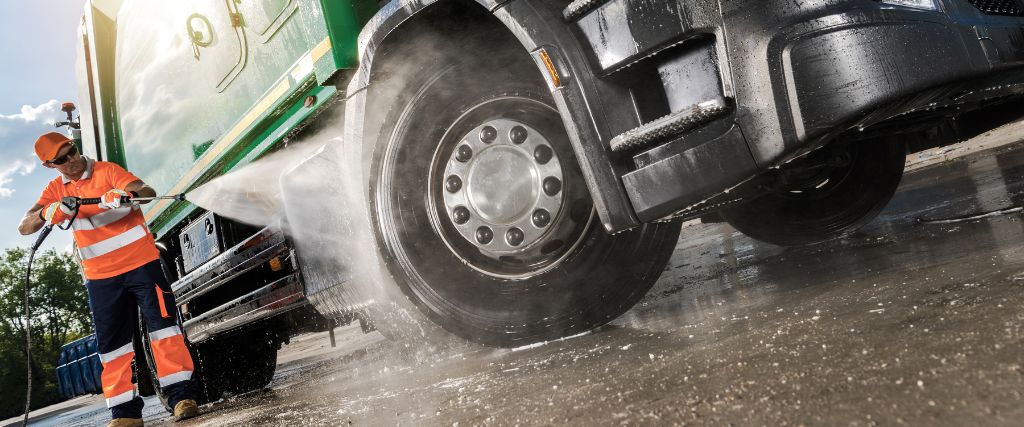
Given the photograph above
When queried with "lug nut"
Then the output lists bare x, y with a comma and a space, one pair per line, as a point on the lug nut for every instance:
488, 134
453, 184
484, 235
518, 135
514, 236
541, 218
542, 154
464, 153
552, 186
460, 215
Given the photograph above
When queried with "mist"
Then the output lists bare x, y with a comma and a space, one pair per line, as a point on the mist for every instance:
252, 194
313, 190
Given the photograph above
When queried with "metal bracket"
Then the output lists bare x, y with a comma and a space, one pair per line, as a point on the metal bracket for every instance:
669, 125
578, 8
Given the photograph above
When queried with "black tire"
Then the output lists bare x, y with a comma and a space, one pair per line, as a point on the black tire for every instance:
826, 202
205, 389
143, 365
241, 363
557, 286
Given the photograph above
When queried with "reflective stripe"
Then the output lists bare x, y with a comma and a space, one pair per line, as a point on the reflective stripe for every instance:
117, 375
165, 333
175, 378
121, 398
170, 354
125, 349
101, 219
119, 241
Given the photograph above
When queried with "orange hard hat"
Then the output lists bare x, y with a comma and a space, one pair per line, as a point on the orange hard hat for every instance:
49, 144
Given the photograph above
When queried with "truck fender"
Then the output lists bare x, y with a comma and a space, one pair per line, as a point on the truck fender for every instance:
339, 240
582, 99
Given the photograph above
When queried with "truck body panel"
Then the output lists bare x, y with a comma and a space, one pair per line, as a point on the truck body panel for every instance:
199, 84
180, 93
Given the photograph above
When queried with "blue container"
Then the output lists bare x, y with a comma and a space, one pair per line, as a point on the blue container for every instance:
64, 378
79, 368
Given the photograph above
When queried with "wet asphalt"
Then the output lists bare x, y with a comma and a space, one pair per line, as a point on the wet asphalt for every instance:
900, 323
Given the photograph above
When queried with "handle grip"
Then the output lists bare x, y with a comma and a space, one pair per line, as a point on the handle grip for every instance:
96, 200
42, 236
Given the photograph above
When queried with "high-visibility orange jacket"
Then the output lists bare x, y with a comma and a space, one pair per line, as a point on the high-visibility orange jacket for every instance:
110, 241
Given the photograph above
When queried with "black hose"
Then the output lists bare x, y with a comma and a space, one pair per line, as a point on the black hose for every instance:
28, 340
28, 320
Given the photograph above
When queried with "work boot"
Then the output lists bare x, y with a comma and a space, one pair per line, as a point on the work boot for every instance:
185, 409
125, 422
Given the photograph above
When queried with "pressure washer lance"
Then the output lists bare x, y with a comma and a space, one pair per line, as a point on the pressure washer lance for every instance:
129, 199
75, 204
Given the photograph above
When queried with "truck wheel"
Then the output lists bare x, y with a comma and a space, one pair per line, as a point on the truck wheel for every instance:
832, 193
205, 389
144, 369
242, 363
482, 214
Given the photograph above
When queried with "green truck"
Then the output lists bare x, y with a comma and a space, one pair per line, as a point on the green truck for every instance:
512, 171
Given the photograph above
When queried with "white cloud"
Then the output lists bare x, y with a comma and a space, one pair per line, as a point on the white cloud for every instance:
18, 167
18, 133
22, 128
30, 114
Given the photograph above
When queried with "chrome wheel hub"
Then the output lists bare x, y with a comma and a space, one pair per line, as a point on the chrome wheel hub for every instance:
502, 187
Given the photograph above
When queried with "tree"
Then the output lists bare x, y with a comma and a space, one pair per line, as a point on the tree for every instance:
60, 313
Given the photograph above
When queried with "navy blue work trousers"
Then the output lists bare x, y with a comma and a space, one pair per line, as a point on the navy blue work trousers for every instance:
114, 303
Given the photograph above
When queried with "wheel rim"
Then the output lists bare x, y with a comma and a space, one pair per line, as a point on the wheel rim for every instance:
503, 184
504, 194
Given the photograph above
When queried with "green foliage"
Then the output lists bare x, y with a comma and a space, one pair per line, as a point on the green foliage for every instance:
60, 313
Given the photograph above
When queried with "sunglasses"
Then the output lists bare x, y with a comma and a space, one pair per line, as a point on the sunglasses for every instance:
64, 159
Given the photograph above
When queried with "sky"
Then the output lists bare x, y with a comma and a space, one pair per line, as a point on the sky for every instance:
37, 47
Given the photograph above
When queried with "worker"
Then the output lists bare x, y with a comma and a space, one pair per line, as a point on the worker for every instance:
123, 273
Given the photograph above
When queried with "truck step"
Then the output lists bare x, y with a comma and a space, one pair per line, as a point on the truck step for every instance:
578, 8
670, 125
